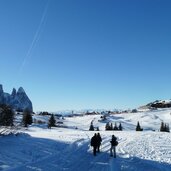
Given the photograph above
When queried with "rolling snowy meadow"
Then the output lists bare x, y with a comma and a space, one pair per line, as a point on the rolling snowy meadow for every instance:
38, 148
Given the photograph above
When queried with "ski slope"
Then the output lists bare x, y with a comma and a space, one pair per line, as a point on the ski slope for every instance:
59, 149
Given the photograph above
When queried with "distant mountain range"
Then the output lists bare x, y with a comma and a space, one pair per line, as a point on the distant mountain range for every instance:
18, 100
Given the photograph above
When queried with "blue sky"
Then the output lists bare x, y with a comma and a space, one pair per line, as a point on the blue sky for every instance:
74, 54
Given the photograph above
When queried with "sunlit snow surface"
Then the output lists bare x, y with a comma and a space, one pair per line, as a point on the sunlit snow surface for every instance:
68, 149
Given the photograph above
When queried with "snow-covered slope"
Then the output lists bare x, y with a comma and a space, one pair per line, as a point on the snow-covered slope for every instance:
59, 149
157, 104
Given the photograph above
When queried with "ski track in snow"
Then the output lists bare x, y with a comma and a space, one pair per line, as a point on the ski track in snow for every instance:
78, 155
68, 149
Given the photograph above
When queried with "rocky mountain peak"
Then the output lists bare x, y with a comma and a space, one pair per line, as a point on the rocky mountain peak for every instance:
18, 99
14, 92
20, 90
1, 89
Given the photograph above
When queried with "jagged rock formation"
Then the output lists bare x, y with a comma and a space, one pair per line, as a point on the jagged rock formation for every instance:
18, 100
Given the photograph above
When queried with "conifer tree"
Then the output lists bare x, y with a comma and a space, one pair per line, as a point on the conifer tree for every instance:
52, 121
120, 127
111, 126
91, 127
115, 127
6, 115
107, 127
27, 118
165, 127
162, 127
138, 127
168, 129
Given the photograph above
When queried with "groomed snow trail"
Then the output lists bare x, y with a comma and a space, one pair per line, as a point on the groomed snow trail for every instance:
137, 151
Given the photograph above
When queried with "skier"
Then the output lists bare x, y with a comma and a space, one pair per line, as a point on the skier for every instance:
114, 143
99, 140
94, 143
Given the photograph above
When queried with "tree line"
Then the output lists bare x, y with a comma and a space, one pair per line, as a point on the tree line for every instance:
109, 127
7, 116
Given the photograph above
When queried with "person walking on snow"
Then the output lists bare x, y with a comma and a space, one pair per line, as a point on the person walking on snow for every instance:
94, 143
99, 140
114, 143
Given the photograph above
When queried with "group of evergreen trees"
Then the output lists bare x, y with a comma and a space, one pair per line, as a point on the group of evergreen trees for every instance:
164, 127
7, 116
109, 126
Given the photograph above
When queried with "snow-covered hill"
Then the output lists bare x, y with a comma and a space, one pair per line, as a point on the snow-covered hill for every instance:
59, 149
157, 104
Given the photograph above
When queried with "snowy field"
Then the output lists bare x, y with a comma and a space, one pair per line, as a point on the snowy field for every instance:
68, 149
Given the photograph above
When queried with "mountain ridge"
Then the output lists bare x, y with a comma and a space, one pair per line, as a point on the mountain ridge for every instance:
18, 100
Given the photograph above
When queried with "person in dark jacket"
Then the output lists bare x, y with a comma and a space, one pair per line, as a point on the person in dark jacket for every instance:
99, 140
94, 143
114, 143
